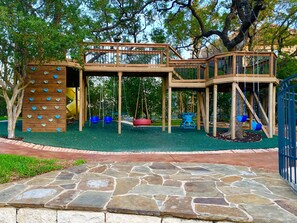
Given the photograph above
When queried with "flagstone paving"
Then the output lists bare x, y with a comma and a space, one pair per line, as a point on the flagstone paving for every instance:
209, 192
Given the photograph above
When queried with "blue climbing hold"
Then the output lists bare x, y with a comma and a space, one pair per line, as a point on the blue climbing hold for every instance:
59, 90
58, 68
31, 99
57, 116
39, 116
55, 76
45, 90
48, 98
29, 129
34, 108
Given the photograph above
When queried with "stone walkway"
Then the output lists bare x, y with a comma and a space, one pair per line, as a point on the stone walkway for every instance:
170, 192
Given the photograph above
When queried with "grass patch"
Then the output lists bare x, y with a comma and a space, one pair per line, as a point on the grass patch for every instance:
14, 167
3, 118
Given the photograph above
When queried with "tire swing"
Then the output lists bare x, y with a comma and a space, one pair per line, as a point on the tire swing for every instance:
141, 121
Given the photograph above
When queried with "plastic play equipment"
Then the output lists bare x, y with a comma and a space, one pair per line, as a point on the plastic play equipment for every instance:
94, 119
141, 93
73, 107
107, 119
142, 121
187, 120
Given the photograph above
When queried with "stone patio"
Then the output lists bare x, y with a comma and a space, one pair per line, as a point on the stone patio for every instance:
150, 192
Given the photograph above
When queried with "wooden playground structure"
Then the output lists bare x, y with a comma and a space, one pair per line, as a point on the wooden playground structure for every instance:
44, 106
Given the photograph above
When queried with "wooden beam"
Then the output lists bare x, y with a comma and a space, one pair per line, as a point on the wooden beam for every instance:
261, 108
207, 110
252, 110
233, 110
163, 103
80, 101
270, 110
169, 102
120, 103
215, 107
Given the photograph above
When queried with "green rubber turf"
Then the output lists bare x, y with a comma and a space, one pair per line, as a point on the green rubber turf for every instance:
134, 139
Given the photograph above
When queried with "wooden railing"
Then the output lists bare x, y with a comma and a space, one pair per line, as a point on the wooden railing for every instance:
230, 64
129, 54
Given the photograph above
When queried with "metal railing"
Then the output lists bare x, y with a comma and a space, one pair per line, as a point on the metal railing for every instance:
287, 104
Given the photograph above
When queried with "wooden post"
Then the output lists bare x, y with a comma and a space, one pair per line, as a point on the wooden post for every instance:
273, 110
207, 110
198, 112
169, 102
85, 101
271, 65
234, 64
215, 67
215, 105
167, 56
163, 103
81, 100
233, 110
250, 113
120, 103
270, 110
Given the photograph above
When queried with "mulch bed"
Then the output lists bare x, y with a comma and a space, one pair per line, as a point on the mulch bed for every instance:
16, 138
248, 137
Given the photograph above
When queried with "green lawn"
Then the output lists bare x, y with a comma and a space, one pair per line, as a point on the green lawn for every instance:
13, 167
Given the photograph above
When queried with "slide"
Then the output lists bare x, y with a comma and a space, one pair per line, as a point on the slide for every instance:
72, 110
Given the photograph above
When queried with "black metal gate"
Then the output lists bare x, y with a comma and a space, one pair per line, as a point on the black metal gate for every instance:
287, 104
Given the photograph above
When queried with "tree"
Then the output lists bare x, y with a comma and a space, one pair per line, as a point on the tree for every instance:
192, 21
228, 20
29, 32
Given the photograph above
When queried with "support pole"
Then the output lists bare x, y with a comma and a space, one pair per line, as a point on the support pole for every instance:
270, 110
120, 103
169, 102
233, 110
207, 110
81, 100
215, 105
273, 109
163, 103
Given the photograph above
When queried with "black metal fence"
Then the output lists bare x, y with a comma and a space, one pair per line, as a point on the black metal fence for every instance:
287, 105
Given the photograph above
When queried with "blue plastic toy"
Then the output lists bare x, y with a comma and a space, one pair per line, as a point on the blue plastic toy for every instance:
256, 126
107, 119
187, 122
94, 119
241, 118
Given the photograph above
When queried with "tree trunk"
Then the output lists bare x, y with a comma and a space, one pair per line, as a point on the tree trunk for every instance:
11, 123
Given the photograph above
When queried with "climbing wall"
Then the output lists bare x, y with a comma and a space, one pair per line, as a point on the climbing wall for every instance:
44, 105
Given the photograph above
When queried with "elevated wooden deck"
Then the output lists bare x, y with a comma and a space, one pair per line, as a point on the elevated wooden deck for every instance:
223, 72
